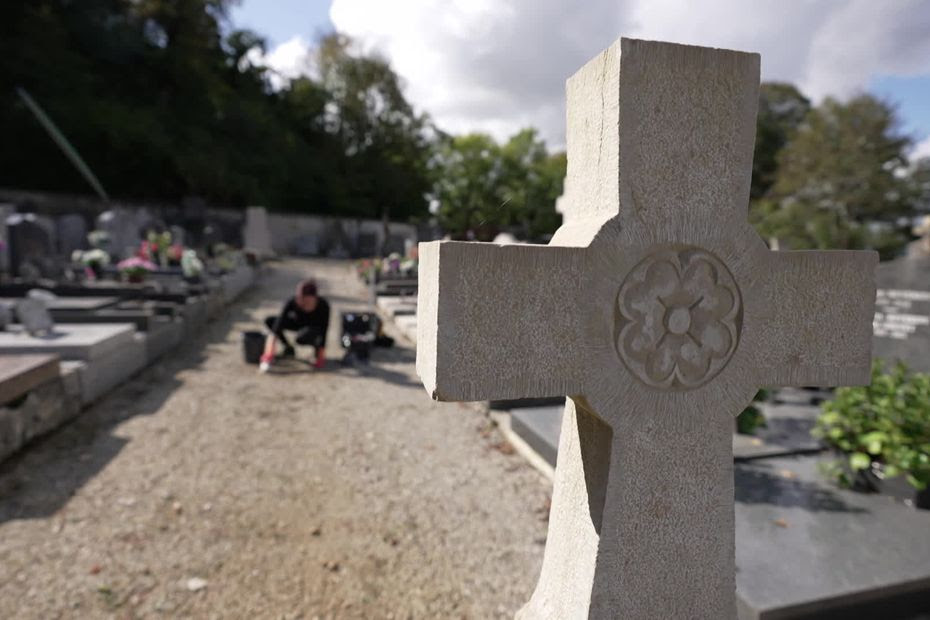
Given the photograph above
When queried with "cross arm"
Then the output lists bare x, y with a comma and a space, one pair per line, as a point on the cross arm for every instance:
816, 318
498, 322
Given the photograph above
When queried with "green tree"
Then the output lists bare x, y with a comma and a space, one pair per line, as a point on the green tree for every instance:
839, 182
469, 187
386, 144
532, 181
782, 108
483, 187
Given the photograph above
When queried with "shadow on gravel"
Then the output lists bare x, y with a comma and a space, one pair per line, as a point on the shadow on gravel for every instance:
38, 480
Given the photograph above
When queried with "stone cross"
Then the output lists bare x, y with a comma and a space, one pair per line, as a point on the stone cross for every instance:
659, 312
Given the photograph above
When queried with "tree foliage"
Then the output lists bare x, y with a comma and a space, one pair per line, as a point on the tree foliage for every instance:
841, 180
162, 101
782, 108
483, 188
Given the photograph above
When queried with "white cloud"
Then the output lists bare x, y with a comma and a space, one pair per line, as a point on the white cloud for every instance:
921, 149
288, 60
498, 65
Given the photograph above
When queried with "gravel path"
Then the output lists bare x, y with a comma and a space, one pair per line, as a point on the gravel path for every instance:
203, 490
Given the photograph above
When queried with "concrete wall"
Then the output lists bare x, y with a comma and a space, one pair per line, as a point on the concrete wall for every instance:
291, 233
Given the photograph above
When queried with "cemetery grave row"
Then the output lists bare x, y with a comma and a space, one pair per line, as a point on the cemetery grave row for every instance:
74, 340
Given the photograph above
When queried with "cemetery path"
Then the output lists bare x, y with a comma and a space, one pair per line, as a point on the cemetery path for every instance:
201, 489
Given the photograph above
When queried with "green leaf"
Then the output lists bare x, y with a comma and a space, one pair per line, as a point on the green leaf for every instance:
917, 484
859, 460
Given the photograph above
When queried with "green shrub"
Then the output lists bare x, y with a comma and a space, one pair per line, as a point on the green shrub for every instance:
883, 426
752, 418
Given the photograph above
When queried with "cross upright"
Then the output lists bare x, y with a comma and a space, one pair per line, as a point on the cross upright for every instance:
659, 312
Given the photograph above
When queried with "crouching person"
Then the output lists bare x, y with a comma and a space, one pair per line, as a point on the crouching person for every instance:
307, 315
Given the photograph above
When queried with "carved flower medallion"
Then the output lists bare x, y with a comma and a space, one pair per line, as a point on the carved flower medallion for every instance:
680, 315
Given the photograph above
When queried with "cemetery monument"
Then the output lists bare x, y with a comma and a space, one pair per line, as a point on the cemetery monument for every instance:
658, 310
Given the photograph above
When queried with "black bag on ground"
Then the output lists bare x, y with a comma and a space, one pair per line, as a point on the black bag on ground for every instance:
358, 333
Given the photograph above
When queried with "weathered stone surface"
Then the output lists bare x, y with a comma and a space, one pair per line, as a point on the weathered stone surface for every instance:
70, 341
45, 407
659, 312
72, 303
163, 335
21, 373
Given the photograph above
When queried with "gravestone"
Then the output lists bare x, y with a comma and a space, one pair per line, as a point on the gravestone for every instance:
6, 210
72, 234
34, 316
902, 312
658, 310
30, 245
122, 226
257, 235
178, 236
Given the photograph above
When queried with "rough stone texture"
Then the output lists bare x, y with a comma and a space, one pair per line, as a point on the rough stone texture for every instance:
45, 407
21, 373
660, 312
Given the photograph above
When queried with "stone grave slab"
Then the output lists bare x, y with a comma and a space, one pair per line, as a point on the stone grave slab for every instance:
140, 319
539, 427
194, 313
21, 373
161, 308
397, 306
805, 548
65, 304
788, 431
100, 375
70, 341
236, 282
660, 312
163, 335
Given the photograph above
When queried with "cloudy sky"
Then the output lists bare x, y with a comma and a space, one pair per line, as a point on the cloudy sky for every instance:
499, 65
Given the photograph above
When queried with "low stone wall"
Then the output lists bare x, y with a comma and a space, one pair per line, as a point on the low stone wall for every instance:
44, 408
311, 235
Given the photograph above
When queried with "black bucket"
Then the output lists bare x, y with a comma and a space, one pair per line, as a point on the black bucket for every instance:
253, 345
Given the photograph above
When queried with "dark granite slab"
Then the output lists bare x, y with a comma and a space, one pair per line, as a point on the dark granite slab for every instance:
807, 549
539, 427
787, 431
804, 548
902, 312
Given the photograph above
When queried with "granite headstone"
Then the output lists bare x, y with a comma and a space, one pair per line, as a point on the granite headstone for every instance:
902, 312
30, 245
